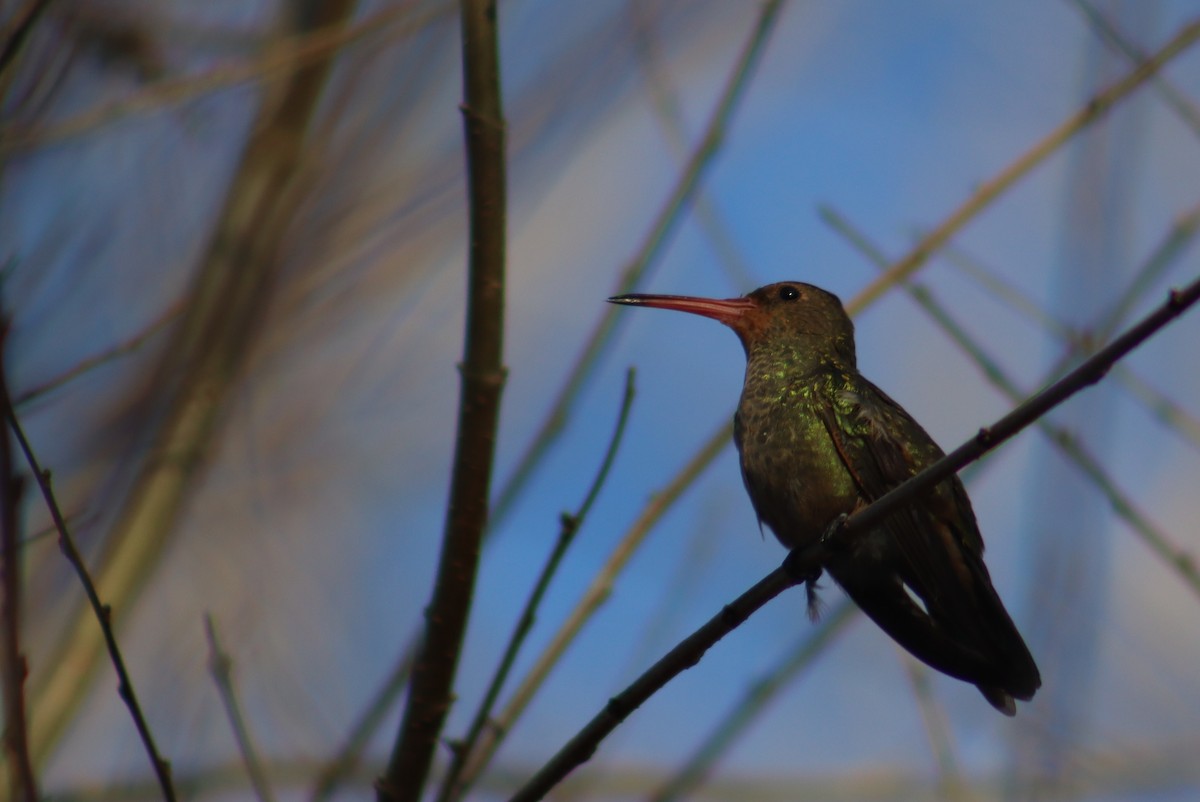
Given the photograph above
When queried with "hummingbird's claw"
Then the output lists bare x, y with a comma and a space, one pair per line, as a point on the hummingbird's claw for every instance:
815, 606
831, 531
803, 563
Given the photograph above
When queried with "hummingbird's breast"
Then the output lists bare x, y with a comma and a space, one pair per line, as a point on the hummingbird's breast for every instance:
793, 472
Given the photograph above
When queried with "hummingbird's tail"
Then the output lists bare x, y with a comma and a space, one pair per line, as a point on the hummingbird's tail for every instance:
979, 645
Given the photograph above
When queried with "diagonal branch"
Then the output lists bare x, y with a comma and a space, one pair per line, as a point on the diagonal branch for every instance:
479, 408
102, 611
453, 786
593, 598
198, 371
13, 667
804, 563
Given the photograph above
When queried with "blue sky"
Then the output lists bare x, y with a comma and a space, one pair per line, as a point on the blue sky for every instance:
313, 534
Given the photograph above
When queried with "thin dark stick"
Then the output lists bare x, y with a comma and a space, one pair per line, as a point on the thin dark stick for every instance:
601, 587
22, 780
123, 348
220, 665
802, 564
452, 786
16, 31
479, 408
162, 769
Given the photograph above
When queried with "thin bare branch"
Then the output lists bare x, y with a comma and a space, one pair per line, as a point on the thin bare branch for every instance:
595, 596
482, 371
199, 368
804, 564
13, 666
220, 665
646, 257
102, 612
121, 349
453, 787
16, 31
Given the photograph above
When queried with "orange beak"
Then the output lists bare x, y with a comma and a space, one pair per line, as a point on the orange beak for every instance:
732, 311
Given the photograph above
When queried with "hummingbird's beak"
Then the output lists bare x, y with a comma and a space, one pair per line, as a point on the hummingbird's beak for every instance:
731, 312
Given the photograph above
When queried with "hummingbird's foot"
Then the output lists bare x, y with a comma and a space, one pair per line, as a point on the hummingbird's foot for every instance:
815, 605
831, 531
803, 563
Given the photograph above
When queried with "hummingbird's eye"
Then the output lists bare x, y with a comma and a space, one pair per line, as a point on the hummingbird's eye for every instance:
788, 293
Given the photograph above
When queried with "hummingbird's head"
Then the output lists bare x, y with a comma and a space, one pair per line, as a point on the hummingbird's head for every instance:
789, 314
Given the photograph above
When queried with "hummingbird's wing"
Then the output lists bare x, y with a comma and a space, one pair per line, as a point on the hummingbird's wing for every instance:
932, 548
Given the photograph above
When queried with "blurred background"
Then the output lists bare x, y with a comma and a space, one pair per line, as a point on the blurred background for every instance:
233, 248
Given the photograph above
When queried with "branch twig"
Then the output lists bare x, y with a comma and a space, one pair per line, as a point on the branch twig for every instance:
453, 787
22, 780
593, 599
103, 613
220, 665
90, 363
16, 31
802, 563
479, 408
197, 371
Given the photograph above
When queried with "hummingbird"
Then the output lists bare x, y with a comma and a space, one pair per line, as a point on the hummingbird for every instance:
817, 441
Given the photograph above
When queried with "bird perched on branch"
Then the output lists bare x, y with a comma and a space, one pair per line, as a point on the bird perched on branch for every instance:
818, 441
